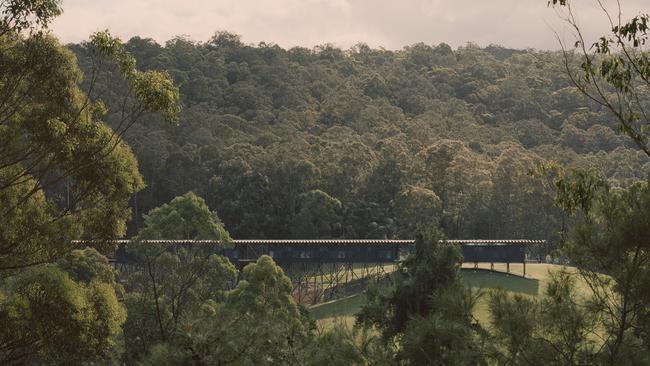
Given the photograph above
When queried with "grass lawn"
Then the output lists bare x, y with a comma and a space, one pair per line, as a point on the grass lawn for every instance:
343, 310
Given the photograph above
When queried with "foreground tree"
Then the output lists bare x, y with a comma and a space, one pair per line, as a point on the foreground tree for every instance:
185, 217
614, 71
64, 174
427, 313
64, 314
612, 238
556, 329
609, 245
258, 323
343, 345
168, 286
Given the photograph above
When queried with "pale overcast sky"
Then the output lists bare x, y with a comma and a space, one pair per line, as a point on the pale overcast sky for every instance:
388, 23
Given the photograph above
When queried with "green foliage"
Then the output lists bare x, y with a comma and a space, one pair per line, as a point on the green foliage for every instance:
19, 15
153, 90
614, 71
260, 279
319, 215
342, 345
49, 319
64, 174
49, 146
185, 217
555, 329
315, 143
265, 125
87, 265
427, 312
169, 287
436, 340
610, 246
336, 347
257, 323
416, 207
574, 191
166, 293
608, 243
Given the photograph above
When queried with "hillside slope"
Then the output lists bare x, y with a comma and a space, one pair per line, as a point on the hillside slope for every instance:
366, 143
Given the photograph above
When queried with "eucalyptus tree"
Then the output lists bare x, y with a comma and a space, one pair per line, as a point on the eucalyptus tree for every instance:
257, 323
63, 173
63, 314
605, 323
614, 70
168, 285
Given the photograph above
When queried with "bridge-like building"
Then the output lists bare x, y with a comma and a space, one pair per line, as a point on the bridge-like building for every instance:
323, 268
350, 250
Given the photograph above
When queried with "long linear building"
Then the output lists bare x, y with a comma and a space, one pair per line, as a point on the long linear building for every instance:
351, 250
322, 269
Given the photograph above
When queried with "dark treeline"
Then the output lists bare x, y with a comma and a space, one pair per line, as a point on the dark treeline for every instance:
325, 142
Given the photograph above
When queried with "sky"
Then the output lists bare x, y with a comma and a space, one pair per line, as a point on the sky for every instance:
391, 24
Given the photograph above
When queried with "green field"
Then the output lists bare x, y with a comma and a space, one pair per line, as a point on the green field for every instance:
343, 310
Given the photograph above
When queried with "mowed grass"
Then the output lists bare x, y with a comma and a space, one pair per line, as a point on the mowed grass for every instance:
341, 310
537, 276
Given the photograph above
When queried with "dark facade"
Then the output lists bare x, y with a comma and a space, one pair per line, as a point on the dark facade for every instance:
494, 253
326, 253
346, 251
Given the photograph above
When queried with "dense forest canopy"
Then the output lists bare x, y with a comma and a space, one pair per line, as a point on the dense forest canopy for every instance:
368, 143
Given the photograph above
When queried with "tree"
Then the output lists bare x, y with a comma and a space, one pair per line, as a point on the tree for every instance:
87, 265
258, 323
416, 207
612, 238
168, 292
556, 329
427, 313
608, 244
319, 216
18, 16
63, 173
169, 285
251, 155
614, 71
185, 217
48, 318
345, 345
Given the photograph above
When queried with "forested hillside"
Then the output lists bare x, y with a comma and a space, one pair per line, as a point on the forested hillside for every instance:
242, 141
367, 143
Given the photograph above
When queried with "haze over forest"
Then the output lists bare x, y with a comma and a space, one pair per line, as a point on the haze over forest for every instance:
521, 23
